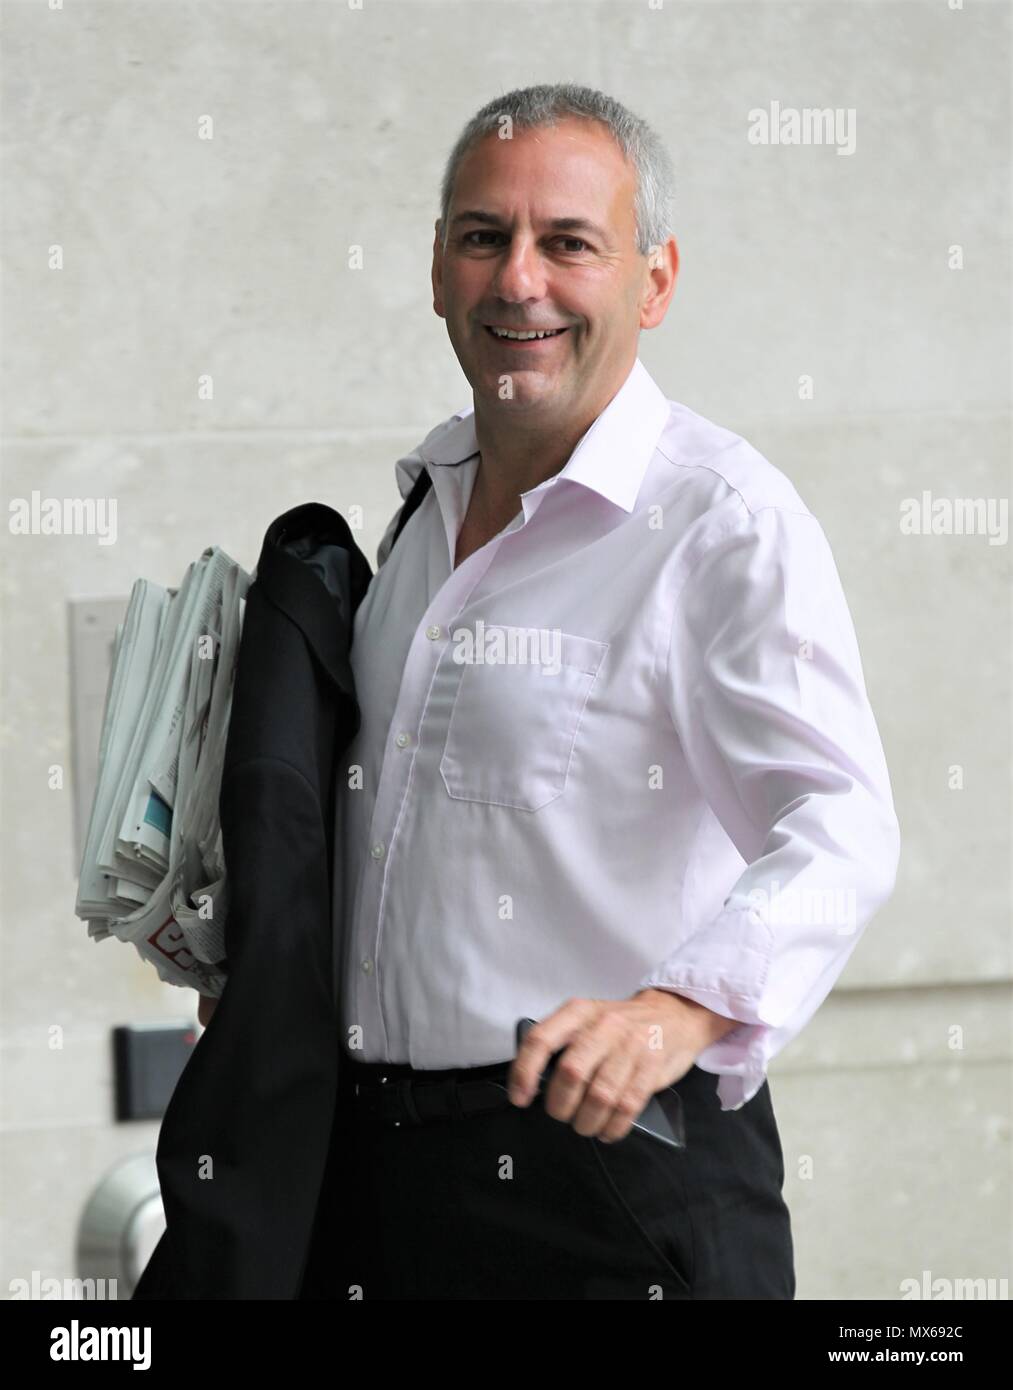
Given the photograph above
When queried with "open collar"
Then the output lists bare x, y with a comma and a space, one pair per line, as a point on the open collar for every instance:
611, 457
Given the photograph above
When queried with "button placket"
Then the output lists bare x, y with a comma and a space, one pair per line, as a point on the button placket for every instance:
424, 654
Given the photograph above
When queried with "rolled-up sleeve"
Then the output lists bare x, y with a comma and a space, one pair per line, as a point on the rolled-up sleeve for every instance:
768, 698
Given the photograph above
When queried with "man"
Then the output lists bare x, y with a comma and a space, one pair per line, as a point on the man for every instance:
617, 773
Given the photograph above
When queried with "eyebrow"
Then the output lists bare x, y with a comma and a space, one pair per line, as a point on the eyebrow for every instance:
557, 224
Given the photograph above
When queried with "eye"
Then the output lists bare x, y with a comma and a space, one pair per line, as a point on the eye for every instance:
577, 244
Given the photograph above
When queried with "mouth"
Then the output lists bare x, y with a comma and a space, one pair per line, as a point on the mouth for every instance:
541, 338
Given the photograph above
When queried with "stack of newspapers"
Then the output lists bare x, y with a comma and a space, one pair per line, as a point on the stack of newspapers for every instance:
152, 871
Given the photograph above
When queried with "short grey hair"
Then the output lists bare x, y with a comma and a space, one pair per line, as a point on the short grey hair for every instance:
529, 107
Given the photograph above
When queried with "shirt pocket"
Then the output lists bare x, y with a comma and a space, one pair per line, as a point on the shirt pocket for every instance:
513, 726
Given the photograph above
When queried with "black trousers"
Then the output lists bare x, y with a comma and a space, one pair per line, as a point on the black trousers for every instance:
516, 1205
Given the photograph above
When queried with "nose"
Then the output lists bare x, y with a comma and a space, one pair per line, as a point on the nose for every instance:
520, 274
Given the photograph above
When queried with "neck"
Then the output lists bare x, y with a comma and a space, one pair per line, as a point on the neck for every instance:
514, 457
518, 450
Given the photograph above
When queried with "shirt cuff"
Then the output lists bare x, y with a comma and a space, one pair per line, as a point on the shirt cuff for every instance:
725, 968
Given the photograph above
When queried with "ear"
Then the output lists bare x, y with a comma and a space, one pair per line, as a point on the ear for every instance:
662, 271
437, 272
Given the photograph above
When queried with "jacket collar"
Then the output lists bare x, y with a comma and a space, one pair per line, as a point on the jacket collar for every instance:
611, 457
312, 570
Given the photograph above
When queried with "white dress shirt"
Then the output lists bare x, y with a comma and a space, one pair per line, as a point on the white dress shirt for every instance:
626, 743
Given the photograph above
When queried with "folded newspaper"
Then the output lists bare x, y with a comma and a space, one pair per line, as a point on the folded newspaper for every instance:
152, 871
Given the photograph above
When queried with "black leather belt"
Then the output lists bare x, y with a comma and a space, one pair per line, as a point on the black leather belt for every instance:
399, 1095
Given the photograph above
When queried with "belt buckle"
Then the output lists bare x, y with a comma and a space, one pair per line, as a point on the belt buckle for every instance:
373, 1093
383, 1087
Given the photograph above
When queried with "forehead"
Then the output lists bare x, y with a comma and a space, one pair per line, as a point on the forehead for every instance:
573, 159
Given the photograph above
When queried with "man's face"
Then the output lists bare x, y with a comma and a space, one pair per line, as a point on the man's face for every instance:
509, 264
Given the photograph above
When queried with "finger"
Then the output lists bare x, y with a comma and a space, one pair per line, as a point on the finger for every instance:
577, 1066
540, 1042
591, 1076
640, 1086
606, 1095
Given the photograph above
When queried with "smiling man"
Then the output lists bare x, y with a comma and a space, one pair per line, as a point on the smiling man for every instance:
543, 307
636, 846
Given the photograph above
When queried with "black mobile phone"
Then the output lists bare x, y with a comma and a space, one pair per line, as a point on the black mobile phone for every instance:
661, 1118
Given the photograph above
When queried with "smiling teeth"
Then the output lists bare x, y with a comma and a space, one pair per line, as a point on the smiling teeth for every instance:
523, 337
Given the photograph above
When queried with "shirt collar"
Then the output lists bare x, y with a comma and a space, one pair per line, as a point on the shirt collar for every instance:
611, 457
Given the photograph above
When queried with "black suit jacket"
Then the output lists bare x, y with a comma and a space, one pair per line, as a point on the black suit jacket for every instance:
244, 1142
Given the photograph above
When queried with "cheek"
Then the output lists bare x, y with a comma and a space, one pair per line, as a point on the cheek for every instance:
465, 283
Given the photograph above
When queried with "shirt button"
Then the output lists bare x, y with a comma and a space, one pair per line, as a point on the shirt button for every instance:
377, 851
402, 740
367, 966
433, 632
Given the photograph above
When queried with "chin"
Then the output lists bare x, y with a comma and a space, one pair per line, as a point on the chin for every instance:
527, 399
